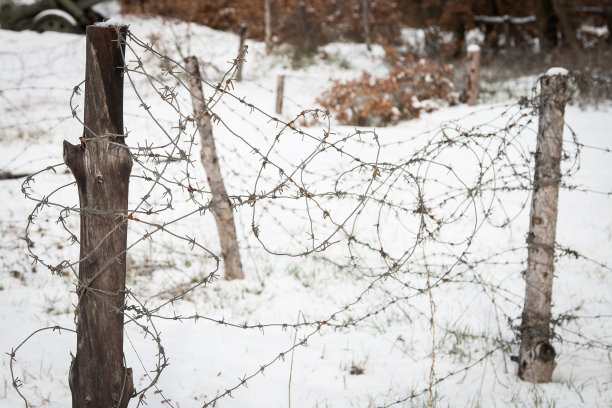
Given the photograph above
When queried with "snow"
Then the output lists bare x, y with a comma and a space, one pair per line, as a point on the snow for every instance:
557, 71
38, 74
111, 22
473, 48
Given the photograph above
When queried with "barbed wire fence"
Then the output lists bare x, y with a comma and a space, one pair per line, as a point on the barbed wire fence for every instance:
403, 218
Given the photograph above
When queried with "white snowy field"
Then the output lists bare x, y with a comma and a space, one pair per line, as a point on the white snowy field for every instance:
379, 351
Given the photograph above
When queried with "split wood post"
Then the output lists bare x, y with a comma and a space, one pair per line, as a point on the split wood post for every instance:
280, 89
241, 53
268, 28
366, 23
220, 204
473, 74
536, 354
101, 165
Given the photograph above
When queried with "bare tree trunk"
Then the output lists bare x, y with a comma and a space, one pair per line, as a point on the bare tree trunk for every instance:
310, 42
243, 29
101, 165
221, 207
537, 355
366, 23
567, 28
268, 28
546, 23
608, 18
473, 74
280, 89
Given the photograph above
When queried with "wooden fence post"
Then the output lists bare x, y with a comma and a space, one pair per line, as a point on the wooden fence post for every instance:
101, 165
473, 74
536, 355
268, 28
243, 29
220, 204
280, 89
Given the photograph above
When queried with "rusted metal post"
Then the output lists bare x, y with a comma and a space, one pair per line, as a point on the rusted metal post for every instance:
536, 354
243, 29
220, 204
101, 165
473, 74
280, 89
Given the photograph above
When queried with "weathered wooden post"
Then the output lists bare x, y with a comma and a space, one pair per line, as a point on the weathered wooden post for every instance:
243, 29
220, 204
280, 89
473, 74
268, 28
536, 355
101, 165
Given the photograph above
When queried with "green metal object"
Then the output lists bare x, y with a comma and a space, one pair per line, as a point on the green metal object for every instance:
70, 16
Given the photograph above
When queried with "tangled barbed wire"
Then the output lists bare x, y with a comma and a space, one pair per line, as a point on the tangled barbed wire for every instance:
402, 216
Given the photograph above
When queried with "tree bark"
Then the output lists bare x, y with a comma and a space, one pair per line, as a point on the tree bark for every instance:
536, 354
221, 207
101, 165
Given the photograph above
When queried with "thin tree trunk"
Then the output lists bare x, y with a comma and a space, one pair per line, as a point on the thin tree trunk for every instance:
567, 28
536, 354
221, 207
366, 23
268, 28
546, 24
307, 34
101, 165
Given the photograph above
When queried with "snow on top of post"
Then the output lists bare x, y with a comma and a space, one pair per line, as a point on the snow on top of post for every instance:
473, 48
557, 71
112, 22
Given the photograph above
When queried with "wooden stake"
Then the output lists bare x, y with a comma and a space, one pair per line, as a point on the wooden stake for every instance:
101, 165
473, 74
220, 204
536, 354
280, 89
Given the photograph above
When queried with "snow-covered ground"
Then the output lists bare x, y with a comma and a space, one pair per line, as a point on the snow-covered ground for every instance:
382, 353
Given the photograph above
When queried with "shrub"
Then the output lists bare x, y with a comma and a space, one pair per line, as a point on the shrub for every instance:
409, 89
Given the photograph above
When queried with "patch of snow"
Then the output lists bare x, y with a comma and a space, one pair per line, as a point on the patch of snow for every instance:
474, 36
473, 48
557, 71
112, 22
